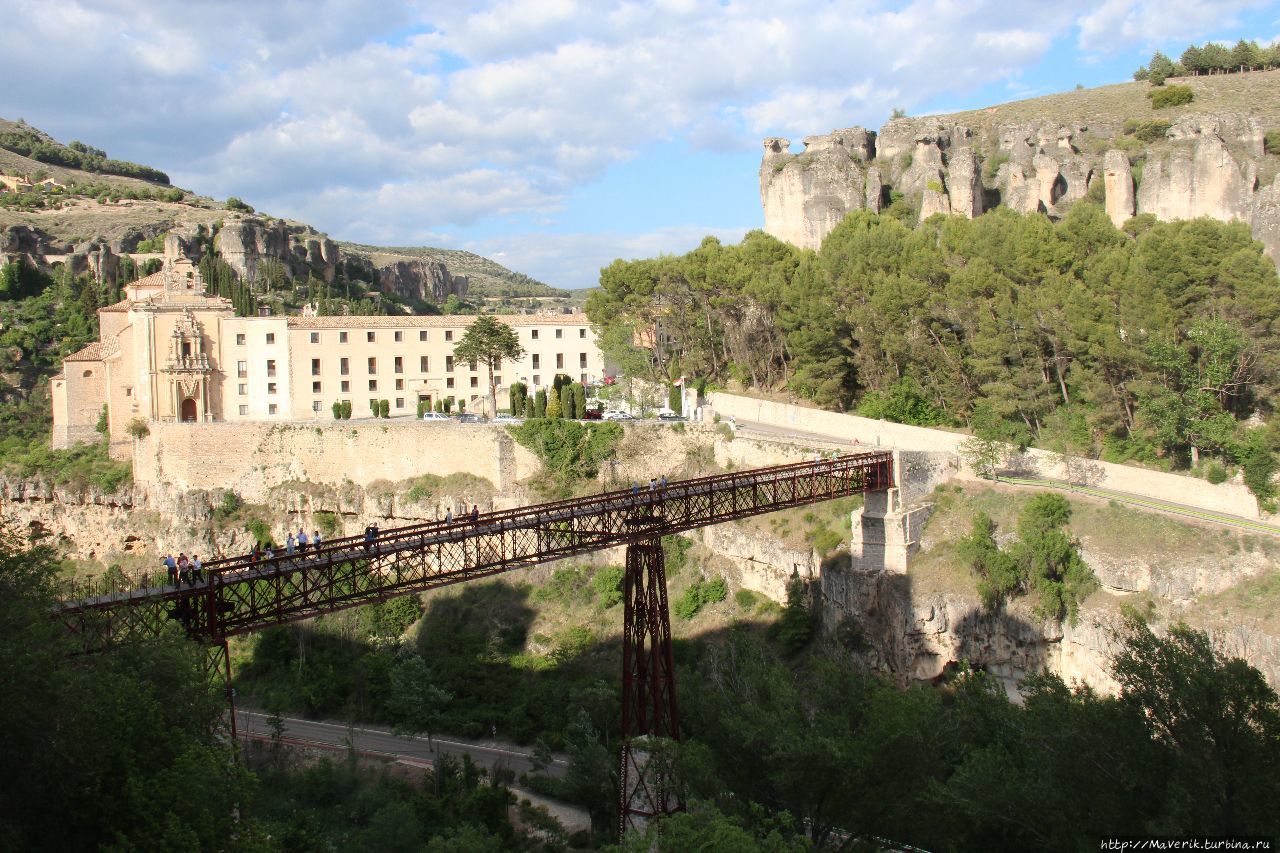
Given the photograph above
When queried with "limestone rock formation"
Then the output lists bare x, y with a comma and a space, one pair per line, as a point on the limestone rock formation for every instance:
806, 195
1207, 164
1118, 182
419, 278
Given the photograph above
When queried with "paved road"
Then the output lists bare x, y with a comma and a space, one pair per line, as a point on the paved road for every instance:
378, 741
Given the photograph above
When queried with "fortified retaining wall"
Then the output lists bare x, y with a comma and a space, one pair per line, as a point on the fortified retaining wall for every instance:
253, 457
1231, 497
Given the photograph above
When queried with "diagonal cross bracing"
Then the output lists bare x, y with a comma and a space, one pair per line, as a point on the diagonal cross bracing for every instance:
238, 596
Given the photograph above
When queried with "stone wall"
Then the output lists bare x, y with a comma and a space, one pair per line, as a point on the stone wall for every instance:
1233, 498
252, 457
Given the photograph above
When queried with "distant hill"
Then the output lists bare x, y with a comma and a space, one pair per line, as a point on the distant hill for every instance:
120, 204
487, 278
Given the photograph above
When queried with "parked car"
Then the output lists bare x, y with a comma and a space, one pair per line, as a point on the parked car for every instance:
508, 419
470, 418
670, 416
617, 416
593, 414
435, 416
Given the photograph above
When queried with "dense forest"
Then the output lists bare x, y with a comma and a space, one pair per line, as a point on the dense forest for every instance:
1157, 343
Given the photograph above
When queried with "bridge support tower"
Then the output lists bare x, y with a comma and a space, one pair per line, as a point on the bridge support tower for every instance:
650, 719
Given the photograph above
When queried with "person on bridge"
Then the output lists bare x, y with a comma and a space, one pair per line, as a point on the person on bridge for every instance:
663, 482
448, 516
315, 539
302, 541
184, 568
653, 485
256, 554
290, 545
369, 533
475, 513
171, 567
635, 487
197, 570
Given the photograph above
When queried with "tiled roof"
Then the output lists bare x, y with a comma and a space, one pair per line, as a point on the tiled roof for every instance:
432, 322
118, 307
96, 351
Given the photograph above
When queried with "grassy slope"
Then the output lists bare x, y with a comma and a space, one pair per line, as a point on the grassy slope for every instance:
485, 276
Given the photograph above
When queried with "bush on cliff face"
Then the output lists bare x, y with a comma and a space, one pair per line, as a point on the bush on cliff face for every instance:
569, 451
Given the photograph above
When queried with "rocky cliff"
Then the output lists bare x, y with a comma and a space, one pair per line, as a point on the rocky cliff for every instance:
1198, 162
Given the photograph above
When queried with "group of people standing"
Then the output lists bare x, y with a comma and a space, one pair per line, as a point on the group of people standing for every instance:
183, 570
294, 545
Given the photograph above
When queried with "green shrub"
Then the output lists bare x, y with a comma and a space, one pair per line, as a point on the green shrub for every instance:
1215, 473
1151, 130
337, 410
607, 584
1170, 96
259, 530
746, 599
1271, 142
699, 596
569, 451
384, 408
326, 522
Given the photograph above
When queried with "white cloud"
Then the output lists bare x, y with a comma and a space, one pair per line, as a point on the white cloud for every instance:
1118, 24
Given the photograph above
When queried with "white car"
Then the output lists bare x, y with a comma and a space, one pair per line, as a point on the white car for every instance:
617, 416
435, 416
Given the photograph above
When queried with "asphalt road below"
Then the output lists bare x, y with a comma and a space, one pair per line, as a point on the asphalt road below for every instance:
490, 754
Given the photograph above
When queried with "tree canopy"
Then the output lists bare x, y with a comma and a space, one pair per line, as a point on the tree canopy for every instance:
489, 342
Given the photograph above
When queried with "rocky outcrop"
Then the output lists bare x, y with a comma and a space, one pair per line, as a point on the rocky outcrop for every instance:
1117, 179
806, 195
419, 278
1206, 165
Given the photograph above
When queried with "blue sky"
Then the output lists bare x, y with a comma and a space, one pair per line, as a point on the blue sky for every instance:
550, 135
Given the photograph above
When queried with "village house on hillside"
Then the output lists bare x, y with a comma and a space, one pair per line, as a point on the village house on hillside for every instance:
169, 351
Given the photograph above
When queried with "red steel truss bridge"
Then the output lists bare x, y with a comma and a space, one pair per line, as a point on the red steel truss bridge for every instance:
240, 595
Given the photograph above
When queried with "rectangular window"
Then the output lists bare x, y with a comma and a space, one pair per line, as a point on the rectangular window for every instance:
240, 340
271, 387
344, 366
398, 366
448, 334
583, 380
559, 360
537, 361
399, 384
242, 369
271, 408
315, 337
315, 406
582, 359
345, 386
399, 336
559, 333
128, 392
582, 333
497, 381
271, 367
342, 337
271, 337
243, 388
448, 364
373, 364
533, 334
422, 335
370, 336
315, 387
448, 383
475, 382
422, 364
244, 410
537, 380
373, 385
315, 367
399, 402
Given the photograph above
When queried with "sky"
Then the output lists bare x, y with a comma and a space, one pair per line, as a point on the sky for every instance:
550, 135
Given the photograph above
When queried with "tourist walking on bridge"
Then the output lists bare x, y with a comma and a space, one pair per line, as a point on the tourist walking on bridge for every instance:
171, 568
197, 570
184, 568
475, 513
315, 539
302, 541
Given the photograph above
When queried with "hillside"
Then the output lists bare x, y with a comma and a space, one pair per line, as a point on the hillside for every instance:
119, 211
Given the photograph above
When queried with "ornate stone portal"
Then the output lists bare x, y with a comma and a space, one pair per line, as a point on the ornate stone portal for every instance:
187, 371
